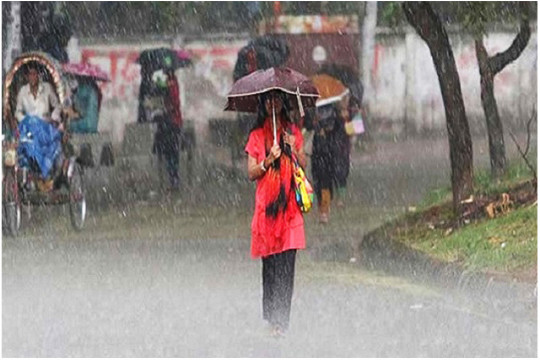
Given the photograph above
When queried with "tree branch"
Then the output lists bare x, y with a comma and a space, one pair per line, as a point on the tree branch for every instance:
523, 153
482, 56
499, 61
533, 115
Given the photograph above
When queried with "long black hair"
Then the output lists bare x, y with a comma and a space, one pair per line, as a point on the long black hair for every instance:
262, 114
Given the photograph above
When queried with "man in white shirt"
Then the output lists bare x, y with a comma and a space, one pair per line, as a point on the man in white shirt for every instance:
37, 98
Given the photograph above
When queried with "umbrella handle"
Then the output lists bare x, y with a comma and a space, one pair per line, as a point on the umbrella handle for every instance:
274, 123
300, 105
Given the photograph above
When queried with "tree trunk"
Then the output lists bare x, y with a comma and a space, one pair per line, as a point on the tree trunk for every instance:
428, 25
489, 67
14, 36
368, 50
494, 127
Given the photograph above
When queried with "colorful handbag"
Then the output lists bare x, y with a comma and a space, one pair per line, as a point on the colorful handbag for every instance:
302, 187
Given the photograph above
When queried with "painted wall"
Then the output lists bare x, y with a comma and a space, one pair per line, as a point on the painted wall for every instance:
406, 93
204, 85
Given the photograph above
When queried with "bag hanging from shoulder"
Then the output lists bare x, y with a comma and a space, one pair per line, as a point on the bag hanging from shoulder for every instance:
302, 187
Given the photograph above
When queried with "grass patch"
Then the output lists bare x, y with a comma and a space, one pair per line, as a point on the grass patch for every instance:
504, 244
516, 173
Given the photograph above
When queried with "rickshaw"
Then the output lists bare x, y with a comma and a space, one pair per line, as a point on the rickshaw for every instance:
22, 183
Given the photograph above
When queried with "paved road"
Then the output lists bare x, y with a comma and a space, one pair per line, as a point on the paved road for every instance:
139, 297
173, 280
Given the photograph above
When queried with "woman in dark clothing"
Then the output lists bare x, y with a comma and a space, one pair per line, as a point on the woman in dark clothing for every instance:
144, 90
330, 157
342, 154
323, 157
167, 147
169, 127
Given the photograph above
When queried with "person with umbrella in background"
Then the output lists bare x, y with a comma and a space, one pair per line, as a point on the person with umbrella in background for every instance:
169, 130
277, 229
331, 145
86, 96
169, 123
152, 60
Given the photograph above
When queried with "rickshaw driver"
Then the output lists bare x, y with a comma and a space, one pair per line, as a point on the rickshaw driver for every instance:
36, 98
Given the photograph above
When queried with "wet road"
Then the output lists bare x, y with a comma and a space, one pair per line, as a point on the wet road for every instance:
135, 297
172, 280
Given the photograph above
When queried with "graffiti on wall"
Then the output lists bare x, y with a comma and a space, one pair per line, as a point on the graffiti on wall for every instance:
122, 69
214, 63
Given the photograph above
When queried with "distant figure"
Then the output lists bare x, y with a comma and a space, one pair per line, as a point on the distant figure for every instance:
169, 130
330, 156
172, 100
342, 153
322, 158
86, 104
144, 91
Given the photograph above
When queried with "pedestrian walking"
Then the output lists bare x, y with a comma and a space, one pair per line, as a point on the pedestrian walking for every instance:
169, 130
323, 163
341, 147
274, 147
277, 226
331, 144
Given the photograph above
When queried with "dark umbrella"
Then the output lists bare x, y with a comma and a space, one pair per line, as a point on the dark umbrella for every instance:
162, 58
152, 60
245, 93
261, 53
347, 76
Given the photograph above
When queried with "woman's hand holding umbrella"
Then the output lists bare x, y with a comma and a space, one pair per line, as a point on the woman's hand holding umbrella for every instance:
275, 153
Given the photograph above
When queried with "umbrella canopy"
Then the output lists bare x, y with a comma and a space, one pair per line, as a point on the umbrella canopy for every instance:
183, 55
244, 95
262, 52
86, 70
163, 58
347, 76
331, 90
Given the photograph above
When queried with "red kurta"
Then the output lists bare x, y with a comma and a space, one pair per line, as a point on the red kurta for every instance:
267, 236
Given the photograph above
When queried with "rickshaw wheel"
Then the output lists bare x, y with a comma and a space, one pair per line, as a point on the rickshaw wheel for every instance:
77, 199
11, 203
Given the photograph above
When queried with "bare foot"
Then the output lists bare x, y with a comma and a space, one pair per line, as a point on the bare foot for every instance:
323, 218
277, 332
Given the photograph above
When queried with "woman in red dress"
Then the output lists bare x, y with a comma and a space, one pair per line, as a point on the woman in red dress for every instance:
277, 229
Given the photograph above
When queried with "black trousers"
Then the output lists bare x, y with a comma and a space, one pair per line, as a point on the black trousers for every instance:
278, 283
